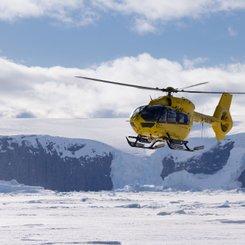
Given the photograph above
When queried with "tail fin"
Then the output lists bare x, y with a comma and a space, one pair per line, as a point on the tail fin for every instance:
222, 113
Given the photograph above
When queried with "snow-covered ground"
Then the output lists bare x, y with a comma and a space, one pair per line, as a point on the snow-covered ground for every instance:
43, 217
31, 215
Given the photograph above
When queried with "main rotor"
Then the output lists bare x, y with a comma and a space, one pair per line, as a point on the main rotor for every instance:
168, 90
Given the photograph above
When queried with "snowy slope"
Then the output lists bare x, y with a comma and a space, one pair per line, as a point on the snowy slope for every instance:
56, 163
149, 168
130, 166
226, 177
76, 164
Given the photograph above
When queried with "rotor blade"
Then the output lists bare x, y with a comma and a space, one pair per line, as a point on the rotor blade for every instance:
121, 84
209, 92
169, 90
194, 85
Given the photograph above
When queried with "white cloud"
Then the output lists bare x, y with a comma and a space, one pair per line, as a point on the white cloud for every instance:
155, 12
73, 12
54, 92
170, 10
144, 26
157, 9
191, 63
231, 5
147, 14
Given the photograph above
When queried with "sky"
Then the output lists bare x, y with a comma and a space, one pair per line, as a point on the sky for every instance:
158, 43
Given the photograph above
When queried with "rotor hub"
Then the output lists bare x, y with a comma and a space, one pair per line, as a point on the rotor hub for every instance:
170, 90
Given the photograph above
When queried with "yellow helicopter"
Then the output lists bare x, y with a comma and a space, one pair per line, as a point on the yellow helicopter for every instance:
169, 119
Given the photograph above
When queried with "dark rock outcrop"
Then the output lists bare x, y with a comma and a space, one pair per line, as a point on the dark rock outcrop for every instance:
29, 161
207, 163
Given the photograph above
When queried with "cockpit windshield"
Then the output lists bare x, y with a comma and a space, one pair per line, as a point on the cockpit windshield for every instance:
152, 112
137, 110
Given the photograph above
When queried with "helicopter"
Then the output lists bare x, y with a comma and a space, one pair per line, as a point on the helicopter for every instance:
169, 119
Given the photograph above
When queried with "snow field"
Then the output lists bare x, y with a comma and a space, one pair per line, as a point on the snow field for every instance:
31, 215
213, 217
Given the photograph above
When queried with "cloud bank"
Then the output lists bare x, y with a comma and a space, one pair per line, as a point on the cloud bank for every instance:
74, 12
55, 93
147, 15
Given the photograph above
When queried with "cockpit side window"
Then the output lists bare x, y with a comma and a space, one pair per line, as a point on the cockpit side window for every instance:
182, 118
163, 116
172, 116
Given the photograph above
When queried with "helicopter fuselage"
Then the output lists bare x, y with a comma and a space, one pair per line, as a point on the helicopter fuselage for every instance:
173, 117
164, 116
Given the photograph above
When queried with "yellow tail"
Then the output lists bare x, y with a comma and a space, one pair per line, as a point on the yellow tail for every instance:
222, 114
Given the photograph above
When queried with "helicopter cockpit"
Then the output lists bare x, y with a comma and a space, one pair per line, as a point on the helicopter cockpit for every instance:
161, 114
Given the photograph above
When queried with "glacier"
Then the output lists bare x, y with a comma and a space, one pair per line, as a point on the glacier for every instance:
70, 164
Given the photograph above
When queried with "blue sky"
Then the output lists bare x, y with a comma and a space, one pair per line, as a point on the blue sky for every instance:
44, 44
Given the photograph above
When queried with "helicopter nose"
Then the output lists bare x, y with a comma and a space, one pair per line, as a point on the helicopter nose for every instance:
133, 120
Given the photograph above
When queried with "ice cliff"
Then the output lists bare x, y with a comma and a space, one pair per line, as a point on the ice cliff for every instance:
65, 164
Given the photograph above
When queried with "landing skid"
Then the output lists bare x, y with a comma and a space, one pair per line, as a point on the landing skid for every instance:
181, 145
147, 143
144, 142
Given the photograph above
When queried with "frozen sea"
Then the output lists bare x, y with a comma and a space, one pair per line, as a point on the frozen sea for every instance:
37, 216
